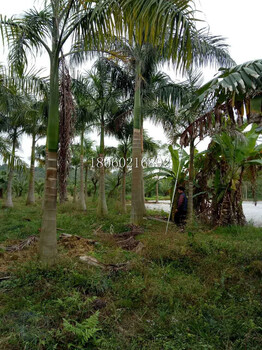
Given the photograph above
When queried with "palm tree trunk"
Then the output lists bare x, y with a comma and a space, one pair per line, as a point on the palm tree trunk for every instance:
48, 240
31, 189
123, 192
95, 189
75, 190
86, 173
102, 206
157, 187
82, 185
9, 199
46, 161
142, 170
143, 190
190, 183
137, 204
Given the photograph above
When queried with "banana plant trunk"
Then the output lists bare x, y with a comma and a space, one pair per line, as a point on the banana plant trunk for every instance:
31, 189
48, 238
82, 196
102, 206
137, 203
190, 183
9, 198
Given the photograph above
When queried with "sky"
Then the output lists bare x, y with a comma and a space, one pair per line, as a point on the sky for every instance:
239, 22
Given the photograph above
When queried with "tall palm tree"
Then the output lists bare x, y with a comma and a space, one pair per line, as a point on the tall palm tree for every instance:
75, 163
144, 60
50, 29
106, 85
14, 108
66, 129
155, 21
89, 154
85, 119
164, 30
34, 126
123, 133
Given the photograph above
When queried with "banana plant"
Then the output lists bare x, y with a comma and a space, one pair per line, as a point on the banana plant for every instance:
236, 154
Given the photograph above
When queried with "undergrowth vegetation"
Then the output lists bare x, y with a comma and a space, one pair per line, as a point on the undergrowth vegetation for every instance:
185, 290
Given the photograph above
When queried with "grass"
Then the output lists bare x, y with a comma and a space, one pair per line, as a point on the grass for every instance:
197, 290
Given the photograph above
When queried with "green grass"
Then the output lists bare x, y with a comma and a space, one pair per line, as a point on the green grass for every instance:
161, 198
200, 290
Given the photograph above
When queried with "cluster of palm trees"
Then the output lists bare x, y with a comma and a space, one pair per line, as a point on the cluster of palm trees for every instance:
131, 38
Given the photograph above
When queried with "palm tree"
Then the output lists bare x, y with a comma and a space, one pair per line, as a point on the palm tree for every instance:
35, 126
164, 30
85, 119
66, 129
155, 21
15, 107
106, 84
145, 59
50, 29
75, 163
123, 133
89, 154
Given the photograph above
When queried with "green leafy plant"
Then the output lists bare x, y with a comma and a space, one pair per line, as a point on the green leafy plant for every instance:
85, 331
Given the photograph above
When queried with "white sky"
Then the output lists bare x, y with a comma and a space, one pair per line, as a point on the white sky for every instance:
238, 21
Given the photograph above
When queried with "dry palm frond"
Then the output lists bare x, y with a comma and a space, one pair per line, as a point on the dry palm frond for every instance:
66, 129
20, 246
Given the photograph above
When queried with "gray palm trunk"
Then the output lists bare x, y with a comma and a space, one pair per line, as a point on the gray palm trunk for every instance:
142, 170
48, 241
9, 197
137, 205
46, 161
190, 183
75, 188
31, 188
82, 197
102, 206
86, 177
123, 192
137, 202
9, 200
157, 187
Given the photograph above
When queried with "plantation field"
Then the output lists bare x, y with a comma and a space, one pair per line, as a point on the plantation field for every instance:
184, 290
